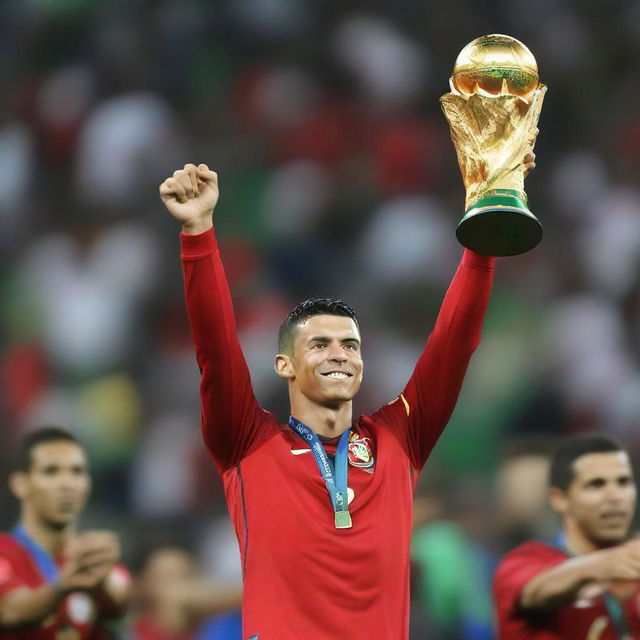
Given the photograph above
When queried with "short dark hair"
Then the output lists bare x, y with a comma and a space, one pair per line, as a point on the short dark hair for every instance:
41, 436
304, 311
561, 472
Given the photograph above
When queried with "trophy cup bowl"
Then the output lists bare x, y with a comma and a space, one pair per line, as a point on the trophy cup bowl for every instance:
493, 110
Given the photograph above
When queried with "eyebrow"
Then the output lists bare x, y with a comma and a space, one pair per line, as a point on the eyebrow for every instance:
327, 339
622, 476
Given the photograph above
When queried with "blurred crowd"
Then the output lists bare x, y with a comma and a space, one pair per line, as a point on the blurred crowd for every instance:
338, 178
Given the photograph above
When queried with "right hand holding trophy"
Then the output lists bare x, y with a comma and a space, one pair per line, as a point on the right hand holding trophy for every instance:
493, 111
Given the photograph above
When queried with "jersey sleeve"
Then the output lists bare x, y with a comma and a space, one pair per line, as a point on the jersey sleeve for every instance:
515, 570
232, 421
420, 413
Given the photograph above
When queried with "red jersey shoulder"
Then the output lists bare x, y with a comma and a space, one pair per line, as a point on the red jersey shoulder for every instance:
13, 554
16, 567
527, 560
537, 551
517, 568
8, 544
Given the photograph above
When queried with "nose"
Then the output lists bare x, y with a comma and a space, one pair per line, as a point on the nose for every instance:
614, 493
336, 354
68, 481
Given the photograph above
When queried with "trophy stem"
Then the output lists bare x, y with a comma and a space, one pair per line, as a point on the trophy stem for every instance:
499, 224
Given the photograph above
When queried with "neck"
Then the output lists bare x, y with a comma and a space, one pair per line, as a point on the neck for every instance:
50, 539
330, 422
575, 540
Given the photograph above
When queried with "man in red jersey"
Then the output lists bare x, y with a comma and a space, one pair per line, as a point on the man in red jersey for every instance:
321, 506
586, 585
54, 582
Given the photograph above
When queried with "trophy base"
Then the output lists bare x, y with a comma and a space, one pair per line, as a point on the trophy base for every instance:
499, 224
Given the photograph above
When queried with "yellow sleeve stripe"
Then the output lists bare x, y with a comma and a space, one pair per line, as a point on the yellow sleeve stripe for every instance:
406, 404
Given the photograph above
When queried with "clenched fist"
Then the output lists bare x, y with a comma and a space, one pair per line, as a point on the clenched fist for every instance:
190, 195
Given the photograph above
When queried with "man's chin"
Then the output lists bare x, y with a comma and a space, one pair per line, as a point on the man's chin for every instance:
60, 522
611, 538
335, 400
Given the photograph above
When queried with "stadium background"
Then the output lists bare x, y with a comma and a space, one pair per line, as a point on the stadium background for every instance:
337, 178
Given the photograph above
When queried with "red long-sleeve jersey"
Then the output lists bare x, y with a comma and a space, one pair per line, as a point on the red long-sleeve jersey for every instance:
303, 578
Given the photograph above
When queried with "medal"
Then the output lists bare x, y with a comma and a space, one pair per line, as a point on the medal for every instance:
333, 473
343, 520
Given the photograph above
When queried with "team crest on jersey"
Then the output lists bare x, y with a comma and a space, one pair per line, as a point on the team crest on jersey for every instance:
360, 453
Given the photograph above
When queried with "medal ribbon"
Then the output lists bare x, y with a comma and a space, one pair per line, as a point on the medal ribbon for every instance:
334, 474
45, 563
614, 610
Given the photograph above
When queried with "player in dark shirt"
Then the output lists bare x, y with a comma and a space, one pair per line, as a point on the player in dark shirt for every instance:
56, 583
585, 586
321, 506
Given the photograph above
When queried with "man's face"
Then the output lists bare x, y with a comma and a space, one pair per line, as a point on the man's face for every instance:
326, 365
162, 581
167, 566
57, 484
601, 498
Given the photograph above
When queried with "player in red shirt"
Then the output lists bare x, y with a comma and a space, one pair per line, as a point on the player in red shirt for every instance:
56, 583
322, 507
585, 586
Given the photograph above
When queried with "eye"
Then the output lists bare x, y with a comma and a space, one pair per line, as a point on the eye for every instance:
351, 346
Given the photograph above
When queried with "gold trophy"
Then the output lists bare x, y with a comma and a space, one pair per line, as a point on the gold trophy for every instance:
493, 112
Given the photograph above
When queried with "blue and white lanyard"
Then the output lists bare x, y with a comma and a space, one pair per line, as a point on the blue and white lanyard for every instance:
333, 473
45, 563
614, 609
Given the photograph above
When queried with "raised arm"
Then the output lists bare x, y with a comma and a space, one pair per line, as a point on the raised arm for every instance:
433, 389
231, 417
424, 407
422, 410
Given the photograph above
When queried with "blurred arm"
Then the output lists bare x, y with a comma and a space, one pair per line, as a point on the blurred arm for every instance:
204, 599
561, 584
25, 607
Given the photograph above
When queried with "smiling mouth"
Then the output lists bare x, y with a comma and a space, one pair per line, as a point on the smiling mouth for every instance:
337, 375
613, 515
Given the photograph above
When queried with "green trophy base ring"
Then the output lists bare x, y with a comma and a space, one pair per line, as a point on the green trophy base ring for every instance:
499, 224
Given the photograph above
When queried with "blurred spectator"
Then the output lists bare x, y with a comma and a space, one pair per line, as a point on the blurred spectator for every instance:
586, 582
452, 577
55, 579
173, 601
520, 493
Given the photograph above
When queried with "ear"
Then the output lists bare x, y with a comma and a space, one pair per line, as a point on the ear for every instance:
558, 500
19, 484
284, 366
